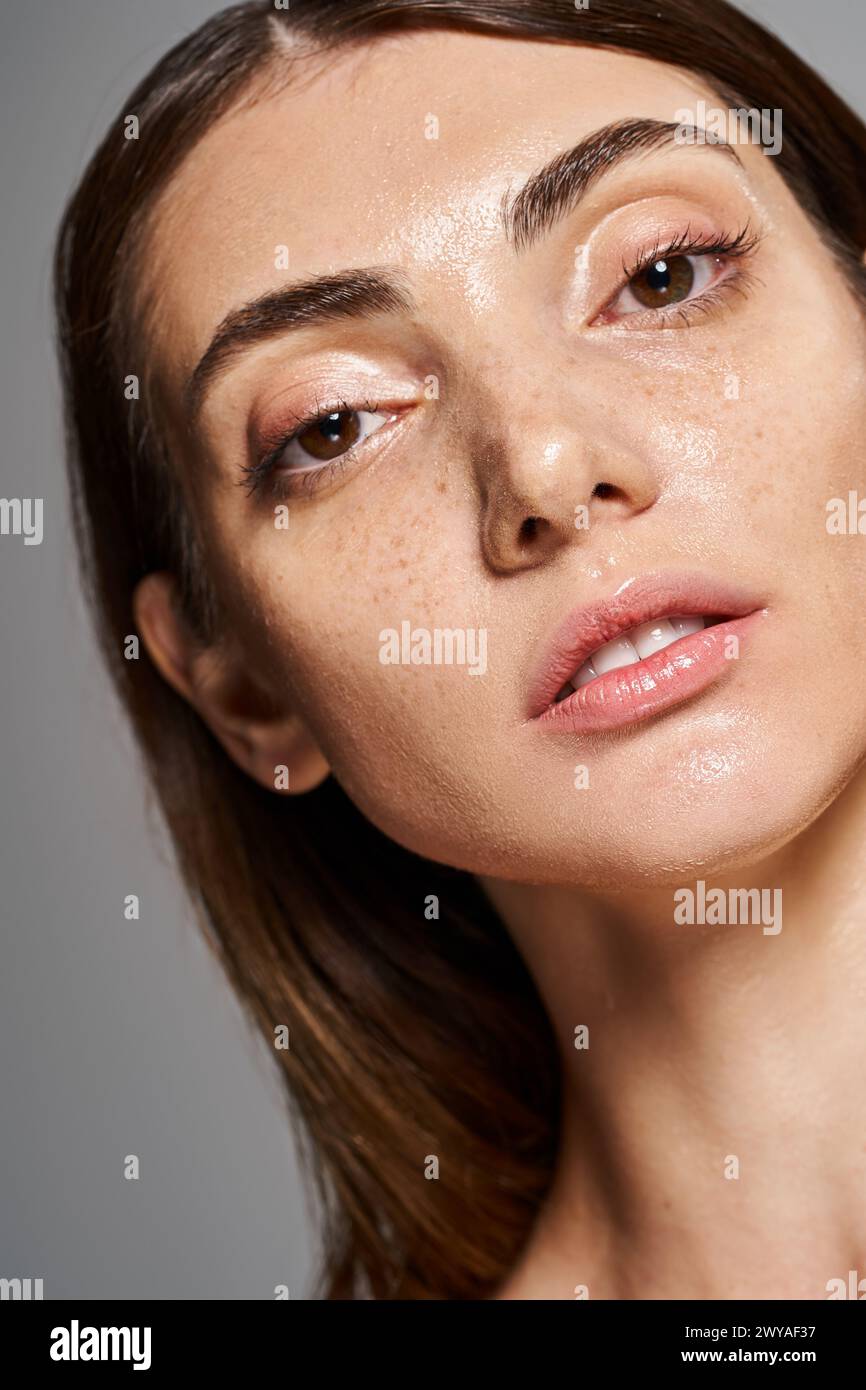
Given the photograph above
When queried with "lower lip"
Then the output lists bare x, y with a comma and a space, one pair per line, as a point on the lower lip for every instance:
659, 682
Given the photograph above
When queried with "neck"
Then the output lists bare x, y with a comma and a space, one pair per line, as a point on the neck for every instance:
713, 1138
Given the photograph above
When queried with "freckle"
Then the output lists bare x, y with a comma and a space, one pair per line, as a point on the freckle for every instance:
440, 485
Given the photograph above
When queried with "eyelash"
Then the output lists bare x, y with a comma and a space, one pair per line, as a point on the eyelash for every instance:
733, 247
263, 473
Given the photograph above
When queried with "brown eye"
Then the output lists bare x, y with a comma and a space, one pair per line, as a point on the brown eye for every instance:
664, 282
331, 435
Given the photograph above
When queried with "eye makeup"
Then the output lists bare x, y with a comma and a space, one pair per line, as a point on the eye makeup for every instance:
266, 470
668, 278
677, 277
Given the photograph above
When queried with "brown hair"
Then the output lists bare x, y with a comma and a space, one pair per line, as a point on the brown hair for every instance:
408, 1037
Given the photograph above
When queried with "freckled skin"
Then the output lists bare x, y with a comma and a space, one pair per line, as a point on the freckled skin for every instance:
702, 1044
341, 173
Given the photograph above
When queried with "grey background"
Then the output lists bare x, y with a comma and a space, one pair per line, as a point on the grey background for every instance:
121, 1037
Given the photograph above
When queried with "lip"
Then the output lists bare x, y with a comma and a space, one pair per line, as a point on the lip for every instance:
658, 682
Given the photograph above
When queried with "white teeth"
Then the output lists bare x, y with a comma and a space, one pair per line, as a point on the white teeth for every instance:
684, 626
634, 645
612, 655
651, 637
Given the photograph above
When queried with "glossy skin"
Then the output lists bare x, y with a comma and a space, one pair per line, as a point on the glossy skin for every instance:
720, 442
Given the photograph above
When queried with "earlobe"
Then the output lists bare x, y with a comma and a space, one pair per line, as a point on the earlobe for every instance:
291, 763
281, 754
271, 745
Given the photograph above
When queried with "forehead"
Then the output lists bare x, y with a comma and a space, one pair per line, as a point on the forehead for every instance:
395, 152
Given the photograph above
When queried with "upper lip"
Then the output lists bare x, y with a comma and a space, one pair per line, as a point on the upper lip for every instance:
636, 601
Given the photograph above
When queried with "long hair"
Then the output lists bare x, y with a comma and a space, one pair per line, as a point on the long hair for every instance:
410, 1036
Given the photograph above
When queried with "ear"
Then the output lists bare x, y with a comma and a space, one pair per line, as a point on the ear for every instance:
216, 681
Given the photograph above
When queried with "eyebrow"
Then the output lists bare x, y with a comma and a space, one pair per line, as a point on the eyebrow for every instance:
347, 294
555, 190
543, 200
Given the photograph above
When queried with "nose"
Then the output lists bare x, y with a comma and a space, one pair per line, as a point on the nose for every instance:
546, 483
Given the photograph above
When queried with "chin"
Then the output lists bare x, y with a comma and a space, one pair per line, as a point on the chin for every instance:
716, 797
721, 818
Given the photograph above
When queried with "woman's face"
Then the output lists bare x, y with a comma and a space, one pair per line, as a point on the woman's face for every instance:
537, 418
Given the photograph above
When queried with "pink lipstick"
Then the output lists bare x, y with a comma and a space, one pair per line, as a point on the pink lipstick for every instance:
656, 642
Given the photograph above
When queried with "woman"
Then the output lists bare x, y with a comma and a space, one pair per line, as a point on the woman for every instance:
459, 396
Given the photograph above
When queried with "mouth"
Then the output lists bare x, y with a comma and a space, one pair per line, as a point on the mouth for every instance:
655, 643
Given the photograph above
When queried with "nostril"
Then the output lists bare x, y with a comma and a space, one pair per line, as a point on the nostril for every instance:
529, 529
604, 490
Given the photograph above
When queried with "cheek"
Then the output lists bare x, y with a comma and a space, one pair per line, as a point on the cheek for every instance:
802, 443
753, 447
399, 734
757, 472
802, 437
